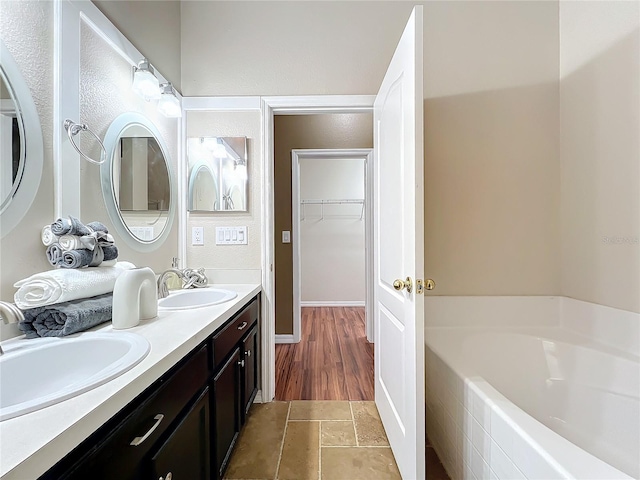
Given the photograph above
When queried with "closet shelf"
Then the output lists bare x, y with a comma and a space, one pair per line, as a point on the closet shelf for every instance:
323, 202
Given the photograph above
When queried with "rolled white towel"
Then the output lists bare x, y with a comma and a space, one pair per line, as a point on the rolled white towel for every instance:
63, 285
76, 242
47, 236
71, 242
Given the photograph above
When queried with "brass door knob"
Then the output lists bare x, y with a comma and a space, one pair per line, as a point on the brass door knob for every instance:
429, 284
400, 284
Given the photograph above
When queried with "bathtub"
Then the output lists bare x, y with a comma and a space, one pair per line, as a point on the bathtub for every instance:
540, 403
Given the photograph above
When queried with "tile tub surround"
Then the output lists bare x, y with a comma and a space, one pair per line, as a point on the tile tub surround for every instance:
307, 439
32, 443
479, 433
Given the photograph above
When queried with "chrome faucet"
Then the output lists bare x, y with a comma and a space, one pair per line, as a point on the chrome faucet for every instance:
163, 290
9, 313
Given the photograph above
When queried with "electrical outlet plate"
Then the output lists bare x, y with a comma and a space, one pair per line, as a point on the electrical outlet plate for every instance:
197, 236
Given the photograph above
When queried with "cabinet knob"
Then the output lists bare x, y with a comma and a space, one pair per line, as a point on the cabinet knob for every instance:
168, 477
241, 363
248, 353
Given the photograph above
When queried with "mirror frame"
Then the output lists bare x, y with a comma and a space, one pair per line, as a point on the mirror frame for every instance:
111, 142
29, 183
192, 178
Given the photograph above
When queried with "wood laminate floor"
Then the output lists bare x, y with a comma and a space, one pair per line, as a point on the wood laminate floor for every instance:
333, 361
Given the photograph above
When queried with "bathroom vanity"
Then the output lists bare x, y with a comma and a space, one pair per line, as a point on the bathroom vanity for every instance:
182, 422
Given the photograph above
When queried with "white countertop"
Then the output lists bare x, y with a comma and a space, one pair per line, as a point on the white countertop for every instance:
31, 444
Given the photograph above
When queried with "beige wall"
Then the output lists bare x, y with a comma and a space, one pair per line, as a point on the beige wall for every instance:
21, 251
292, 132
491, 148
288, 48
600, 152
233, 257
105, 93
153, 27
491, 114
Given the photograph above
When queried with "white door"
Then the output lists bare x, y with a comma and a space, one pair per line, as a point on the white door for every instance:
399, 252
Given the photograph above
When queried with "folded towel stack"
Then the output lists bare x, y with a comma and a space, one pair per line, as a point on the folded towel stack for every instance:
61, 302
72, 244
66, 318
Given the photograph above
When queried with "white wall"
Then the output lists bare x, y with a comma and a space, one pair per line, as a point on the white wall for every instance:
332, 242
600, 152
105, 93
21, 251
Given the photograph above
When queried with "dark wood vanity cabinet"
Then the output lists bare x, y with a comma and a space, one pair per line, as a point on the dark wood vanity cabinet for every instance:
185, 425
186, 453
235, 380
226, 405
249, 370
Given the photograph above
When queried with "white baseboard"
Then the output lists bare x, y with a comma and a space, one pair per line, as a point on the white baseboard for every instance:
333, 303
288, 338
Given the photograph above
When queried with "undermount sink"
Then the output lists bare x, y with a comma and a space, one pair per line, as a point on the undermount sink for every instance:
37, 373
198, 297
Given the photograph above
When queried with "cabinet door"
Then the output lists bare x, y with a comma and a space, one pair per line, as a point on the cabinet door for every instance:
250, 370
226, 410
186, 453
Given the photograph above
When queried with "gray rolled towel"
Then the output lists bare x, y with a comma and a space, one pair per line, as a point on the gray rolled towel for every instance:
54, 254
83, 257
66, 318
73, 226
110, 252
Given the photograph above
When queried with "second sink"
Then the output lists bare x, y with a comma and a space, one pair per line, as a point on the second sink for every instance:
37, 373
199, 297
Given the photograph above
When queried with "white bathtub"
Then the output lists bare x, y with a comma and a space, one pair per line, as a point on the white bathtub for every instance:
539, 403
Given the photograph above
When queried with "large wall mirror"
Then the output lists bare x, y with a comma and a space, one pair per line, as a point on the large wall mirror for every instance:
138, 185
21, 150
217, 174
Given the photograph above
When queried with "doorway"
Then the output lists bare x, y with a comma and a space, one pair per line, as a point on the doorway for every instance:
309, 322
331, 237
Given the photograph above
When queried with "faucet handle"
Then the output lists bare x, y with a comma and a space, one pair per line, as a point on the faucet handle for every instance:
9, 313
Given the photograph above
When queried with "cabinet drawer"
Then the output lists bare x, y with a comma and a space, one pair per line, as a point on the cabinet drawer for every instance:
116, 457
226, 339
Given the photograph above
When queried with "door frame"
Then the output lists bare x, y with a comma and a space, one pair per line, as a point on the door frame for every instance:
365, 154
288, 105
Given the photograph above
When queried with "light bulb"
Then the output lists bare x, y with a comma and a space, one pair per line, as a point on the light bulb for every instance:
145, 83
169, 106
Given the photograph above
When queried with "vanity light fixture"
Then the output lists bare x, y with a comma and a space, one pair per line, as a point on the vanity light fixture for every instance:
145, 82
169, 105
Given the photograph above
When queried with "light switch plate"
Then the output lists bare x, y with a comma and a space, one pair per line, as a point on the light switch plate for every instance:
286, 236
231, 235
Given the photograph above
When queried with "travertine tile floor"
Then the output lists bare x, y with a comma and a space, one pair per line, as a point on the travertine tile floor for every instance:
314, 440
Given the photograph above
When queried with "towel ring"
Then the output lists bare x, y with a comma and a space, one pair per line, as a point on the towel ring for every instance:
73, 129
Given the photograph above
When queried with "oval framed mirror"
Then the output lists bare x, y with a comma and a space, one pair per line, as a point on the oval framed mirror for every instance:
21, 144
138, 183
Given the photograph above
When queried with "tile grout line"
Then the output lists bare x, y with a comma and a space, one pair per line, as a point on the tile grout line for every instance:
353, 419
294, 420
320, 450
284, 435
